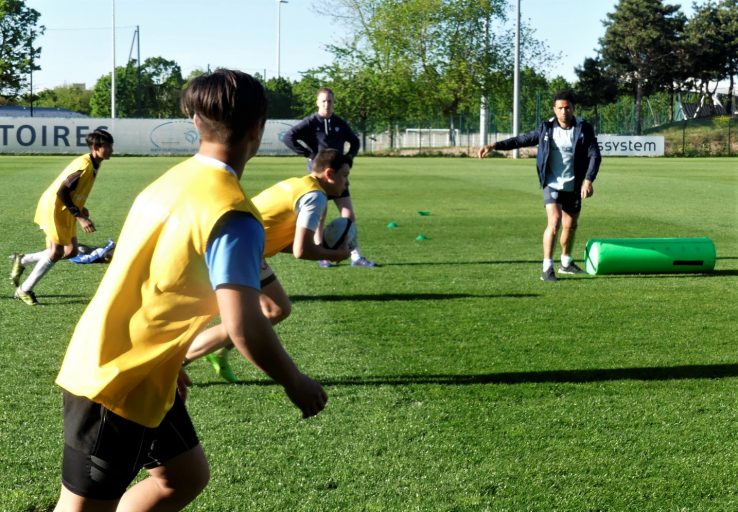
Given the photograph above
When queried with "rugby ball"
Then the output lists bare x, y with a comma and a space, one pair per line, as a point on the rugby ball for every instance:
337, 231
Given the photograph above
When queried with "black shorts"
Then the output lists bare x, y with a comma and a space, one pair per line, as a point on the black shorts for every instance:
104, 452
571, 202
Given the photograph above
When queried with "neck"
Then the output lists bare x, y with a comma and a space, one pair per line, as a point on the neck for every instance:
233, 156
566, 124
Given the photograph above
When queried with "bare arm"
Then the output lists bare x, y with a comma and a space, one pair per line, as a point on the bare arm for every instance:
253, 336
305, 248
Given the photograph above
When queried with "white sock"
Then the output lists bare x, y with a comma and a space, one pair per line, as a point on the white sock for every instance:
355, 254
30, 259
547, 264
39, 271
566, 260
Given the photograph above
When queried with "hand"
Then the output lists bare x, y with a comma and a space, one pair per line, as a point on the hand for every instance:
587, 189
86, 224
183, 384
485, 150
307, 395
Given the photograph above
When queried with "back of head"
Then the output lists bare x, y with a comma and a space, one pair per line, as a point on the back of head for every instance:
228, 103
98, 138
330, 158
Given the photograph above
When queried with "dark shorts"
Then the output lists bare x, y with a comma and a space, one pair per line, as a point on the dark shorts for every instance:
571, 202
104, 452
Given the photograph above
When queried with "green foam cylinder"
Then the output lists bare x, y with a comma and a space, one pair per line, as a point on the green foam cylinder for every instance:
649, 255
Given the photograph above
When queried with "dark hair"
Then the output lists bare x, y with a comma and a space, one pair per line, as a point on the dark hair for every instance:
98, 138
331, 158
564, 95
228, 103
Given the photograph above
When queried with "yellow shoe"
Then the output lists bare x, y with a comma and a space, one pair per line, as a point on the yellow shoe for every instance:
28, 298
17, 269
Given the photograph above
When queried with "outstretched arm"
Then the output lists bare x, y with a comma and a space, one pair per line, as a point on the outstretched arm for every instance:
521, 141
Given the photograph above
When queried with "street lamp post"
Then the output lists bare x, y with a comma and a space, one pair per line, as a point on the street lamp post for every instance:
112, 75
279, 33
516, 79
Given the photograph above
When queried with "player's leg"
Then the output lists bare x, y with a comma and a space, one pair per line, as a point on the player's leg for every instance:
24, 292
275, 303
171, 486
100, 460
569, 222
346, 209
208, 341
214, 343
553, 221
177, 466
70, 502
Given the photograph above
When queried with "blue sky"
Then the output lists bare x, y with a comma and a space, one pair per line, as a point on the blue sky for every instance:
77, 45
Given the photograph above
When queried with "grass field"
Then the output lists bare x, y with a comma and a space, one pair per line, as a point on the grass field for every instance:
457, 380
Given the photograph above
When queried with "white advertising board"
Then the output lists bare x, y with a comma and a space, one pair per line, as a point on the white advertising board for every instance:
132, 136
627, 145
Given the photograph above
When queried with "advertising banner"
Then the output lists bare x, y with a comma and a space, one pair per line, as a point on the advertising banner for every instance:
631, 145
44, 135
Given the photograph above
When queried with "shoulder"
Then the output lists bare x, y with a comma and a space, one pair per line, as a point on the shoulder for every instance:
584, 125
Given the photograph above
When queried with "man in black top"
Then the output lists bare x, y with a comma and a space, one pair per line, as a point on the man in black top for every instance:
322, 130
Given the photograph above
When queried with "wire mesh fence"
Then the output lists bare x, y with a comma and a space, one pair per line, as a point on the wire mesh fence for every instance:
713, 136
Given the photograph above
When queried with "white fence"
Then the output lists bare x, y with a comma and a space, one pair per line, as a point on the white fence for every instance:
23, 135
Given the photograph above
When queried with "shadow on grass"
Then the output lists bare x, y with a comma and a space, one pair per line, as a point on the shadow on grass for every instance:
388, 297
654, 373
459, 262
50, 300
680, 275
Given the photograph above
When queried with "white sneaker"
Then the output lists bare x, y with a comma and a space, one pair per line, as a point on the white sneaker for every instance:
362, 262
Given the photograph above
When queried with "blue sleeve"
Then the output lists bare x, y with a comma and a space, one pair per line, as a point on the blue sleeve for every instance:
235, 251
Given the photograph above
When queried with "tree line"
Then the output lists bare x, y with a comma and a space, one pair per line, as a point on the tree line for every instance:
429, 63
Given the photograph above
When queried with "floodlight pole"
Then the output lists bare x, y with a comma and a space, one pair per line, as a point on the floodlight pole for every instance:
279, 33
516, 79
112, 75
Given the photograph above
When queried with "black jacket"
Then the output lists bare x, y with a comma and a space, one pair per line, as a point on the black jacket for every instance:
587, 156
315, 133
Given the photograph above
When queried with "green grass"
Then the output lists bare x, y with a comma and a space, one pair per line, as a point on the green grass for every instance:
457, 380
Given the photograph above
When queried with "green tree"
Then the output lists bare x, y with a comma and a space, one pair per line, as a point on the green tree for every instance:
728, 15
70, 97
151, 92
18, 31
595, 86
711, 42
641, 47
160, 88
281, 98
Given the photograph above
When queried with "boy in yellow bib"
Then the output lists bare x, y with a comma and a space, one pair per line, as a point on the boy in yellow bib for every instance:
190, 248
292, 211
59, 210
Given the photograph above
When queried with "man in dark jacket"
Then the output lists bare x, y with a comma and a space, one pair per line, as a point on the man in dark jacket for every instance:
324, 130
568, 161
